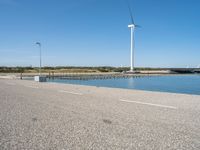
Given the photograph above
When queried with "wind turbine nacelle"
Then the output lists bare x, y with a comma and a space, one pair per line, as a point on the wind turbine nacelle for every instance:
131, 26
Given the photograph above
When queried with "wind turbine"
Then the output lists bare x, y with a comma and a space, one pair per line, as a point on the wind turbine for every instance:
132, 26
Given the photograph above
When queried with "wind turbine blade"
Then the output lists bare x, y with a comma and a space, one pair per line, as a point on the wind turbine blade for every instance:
130, 12
138, 26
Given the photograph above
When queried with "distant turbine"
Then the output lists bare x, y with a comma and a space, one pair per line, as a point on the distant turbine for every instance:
132, 26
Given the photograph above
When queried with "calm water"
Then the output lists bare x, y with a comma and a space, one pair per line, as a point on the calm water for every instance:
188, 84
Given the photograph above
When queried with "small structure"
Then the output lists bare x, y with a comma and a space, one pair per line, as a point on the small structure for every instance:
40, 78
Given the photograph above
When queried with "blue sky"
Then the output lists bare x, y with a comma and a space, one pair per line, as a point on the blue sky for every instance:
95, 32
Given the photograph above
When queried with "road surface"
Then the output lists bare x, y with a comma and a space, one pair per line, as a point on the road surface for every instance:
64, 117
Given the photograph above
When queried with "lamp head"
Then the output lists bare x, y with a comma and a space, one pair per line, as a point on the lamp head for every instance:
38, 43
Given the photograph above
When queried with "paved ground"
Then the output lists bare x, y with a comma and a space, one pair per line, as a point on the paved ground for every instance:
57, 116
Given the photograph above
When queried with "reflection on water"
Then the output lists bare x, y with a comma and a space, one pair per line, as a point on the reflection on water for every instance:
189, 84
131, 82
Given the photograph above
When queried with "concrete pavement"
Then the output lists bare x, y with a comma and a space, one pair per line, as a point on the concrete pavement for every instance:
60, 116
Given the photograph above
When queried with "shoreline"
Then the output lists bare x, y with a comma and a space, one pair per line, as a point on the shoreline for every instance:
76, 86
89, 75
101, 87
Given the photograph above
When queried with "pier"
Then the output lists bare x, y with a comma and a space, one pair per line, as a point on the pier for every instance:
95, 76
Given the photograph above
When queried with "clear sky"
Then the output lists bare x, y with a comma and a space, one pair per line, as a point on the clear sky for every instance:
95, 32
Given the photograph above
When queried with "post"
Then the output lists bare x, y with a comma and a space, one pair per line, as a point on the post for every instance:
40, 49
40, 78
21, 76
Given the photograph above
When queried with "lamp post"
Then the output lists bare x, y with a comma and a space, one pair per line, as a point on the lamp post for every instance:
39, 44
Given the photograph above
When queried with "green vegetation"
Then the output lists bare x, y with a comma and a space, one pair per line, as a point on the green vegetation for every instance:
65, 69
14, 69
61, 69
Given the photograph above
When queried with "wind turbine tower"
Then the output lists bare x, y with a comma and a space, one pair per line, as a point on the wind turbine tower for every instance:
132, 26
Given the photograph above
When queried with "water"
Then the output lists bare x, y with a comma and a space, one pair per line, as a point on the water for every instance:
186, 84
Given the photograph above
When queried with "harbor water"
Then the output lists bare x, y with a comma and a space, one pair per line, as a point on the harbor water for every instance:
186, 84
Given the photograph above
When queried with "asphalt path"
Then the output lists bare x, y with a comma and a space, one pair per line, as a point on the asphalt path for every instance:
61, 116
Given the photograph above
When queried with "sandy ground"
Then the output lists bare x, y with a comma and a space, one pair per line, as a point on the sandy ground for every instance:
61, 116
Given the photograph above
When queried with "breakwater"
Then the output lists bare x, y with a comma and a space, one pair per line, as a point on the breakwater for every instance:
97, 76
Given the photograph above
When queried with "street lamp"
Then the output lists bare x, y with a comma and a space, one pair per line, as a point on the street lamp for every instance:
39, 44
